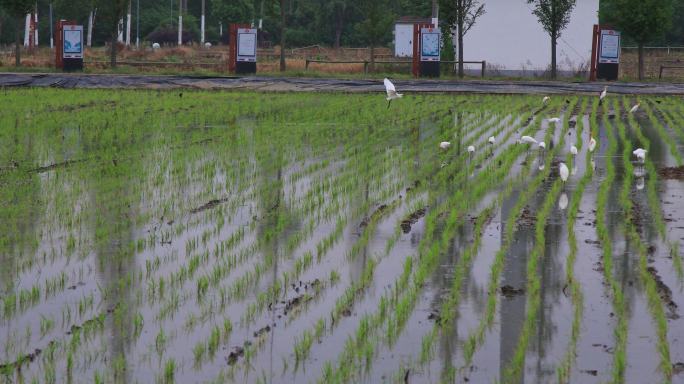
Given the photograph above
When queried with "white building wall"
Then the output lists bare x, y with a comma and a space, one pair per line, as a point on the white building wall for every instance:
509, 37
403, 40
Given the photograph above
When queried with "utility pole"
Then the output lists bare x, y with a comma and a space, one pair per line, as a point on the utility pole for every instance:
180, 22
52, 37
202, 26
137, 24
129, 21
435, 13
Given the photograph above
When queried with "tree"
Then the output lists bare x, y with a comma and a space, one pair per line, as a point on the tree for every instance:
554, 16
112, 12
18, 10
340, 10
640, 20
283, 22
460, 16
377, 24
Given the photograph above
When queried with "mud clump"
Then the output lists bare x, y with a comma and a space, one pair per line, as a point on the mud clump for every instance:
678, 368
508, 291
672, 173
375, 214
235, 354
412, 219
527, 218
665, 293
209, 205
262, 331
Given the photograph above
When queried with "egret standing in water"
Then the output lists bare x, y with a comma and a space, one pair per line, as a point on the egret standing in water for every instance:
573, 151
555, 120
592, 144
603, 95
564, 172
640, 154
635, 108
545, 100
491, 141
542, 147
391, 92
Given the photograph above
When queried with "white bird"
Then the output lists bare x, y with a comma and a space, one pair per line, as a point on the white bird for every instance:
634, 108
573, 150
444, 145
391, 92
640, 183
554, 120
603, 94
207, 45
640, 154
545, 100
491, 140
563, 201
156, 46
527, 140
542, 166
471, 149
592, 144
542, 145
564, 172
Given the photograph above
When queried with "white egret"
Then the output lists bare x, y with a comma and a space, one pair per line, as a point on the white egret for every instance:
391, 92
207, 45
444, 145
545, 100
640, 183
554, 120
603, 95
640, 154
542, 145
542, 166
471, 149
573, 150
563, 201
527, 140
491, 140
564, 172
592, 144
634, 108
156, 46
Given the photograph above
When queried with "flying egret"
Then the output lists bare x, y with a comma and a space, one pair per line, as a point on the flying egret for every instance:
573, 150
640, 154
444, 145
603, 94
592, 144
564, 172
563, 201
545, 100
391, 92
634, 108
554, 120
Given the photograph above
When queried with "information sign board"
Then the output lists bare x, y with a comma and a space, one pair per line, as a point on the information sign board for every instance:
246, 44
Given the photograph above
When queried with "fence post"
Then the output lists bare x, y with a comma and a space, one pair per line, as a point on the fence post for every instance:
660, 75
306, 66
484, 65
365, 67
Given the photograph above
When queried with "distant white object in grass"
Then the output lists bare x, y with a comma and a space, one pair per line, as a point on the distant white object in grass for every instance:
563, 201
634, 108
491, 140
573, 150
527, 140
391, 92
471, 149
564, 172
592, 144
603, 94
207, 45
640, 154
555, 120
445, 145
156, 46
542, 145
545, 100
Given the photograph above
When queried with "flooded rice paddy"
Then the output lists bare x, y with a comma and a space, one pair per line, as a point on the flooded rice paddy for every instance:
217, 237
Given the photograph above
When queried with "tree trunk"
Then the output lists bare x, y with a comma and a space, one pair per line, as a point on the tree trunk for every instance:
129, 19
202, 25
641, 61
89, 39
112, 51
553, 56
339, 24
282, 35
17, 45
461, 72
372, 57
